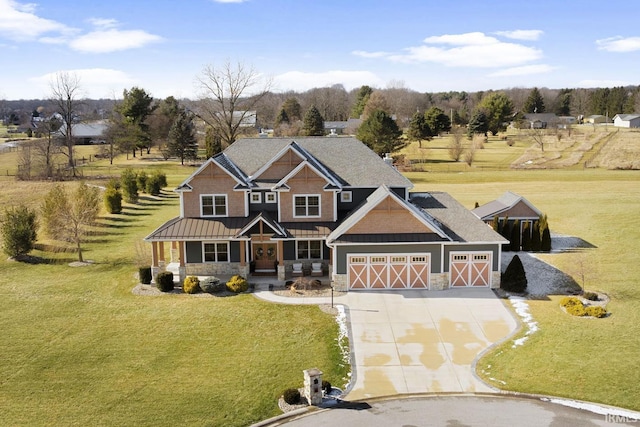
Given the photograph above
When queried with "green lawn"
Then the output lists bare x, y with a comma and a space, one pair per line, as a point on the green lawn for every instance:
80, 349
589, 359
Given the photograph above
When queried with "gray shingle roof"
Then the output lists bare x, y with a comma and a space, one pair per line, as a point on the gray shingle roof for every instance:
347, 158
501, 204
457, 221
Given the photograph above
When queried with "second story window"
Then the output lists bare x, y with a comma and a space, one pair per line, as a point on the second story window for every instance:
213, 205
306, 206
256, 198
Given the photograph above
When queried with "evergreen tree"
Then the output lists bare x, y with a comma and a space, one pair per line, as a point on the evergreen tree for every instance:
293, 110
534, 102
212, 142
381, 133
281, 118
437, 120
182, 138
478, 124
361, 100
526, 237
514, 278
498, 108
129, 185
563, 102
313, 123
515, 236
495, 224
18, 226
418, 129
545, 244
535, 237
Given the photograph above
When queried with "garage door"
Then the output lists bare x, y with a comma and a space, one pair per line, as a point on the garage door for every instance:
470, 269
388, 271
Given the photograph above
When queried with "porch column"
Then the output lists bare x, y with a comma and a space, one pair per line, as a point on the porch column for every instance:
174, 250
161, 262
243, 253
154, 254
182, 270
282, 271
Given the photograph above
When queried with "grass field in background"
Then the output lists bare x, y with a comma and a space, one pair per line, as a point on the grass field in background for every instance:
81, 349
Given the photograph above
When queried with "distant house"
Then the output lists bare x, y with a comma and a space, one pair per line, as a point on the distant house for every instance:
509, 205
627, 120
595, 119
87, 132
541, 120
347, 127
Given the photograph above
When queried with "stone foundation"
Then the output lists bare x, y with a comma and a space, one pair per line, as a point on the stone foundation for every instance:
217, 269
495, 280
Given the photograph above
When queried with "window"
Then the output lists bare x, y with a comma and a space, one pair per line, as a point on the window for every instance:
345, 197
213, 205
308, 206
270, 197
256, 198
215, 252
309, 249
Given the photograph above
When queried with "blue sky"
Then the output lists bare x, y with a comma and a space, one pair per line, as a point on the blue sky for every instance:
428, 46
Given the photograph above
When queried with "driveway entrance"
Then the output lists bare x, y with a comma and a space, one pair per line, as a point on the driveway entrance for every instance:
419, 341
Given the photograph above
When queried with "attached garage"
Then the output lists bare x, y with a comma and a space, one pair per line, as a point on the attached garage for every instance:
470, 269
388, 271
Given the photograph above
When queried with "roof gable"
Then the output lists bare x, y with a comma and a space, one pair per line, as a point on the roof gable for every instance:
225, 164
509, 201
381, 199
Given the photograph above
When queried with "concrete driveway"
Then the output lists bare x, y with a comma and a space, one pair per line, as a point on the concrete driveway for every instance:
421, 341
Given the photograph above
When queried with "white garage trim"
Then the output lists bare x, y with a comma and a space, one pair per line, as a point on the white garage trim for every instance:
388, 271
470, 269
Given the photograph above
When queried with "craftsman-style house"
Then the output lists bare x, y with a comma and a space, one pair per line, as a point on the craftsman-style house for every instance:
266, 205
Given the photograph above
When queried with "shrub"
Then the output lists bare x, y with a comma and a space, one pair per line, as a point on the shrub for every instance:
141, 180
326, 386
514, 278
129, 184
570, 301
18, 226
144, 273
164, 281
576, 310
596, 311
237, 284
153, 185
591, 296
212, 285
291, 396
113, 200
162, 179
545, 243
191, 285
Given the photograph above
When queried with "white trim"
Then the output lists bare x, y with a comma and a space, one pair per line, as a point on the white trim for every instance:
388, 269
297, 241
216, 243
181, 204
268, 194
253, 195
471, 261
306, 196
349, 197
213, 200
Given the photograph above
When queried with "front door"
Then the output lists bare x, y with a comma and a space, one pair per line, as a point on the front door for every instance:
265, 256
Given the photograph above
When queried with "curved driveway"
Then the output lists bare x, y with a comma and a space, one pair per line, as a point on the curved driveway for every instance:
417, 341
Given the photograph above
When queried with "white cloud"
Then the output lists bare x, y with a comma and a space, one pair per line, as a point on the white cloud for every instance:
102, 82
19, 22
302, 81
591, 83
103, 23
365, 54
619, 44
530, 35
525, 70
463, 50
111, 40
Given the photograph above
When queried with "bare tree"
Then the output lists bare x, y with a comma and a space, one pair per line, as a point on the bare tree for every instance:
537, 135
455, 146
65, 96
230, 95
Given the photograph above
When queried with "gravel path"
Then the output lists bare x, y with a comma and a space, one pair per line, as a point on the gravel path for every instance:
543, 278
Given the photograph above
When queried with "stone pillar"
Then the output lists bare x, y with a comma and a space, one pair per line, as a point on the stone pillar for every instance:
282, 272
182, 269
313, 386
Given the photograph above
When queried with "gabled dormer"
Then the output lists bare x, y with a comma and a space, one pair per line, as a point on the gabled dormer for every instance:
216, 190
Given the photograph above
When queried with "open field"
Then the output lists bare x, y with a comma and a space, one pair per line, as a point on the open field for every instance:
80, 349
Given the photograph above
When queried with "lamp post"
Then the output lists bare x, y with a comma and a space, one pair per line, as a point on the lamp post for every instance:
331, 295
